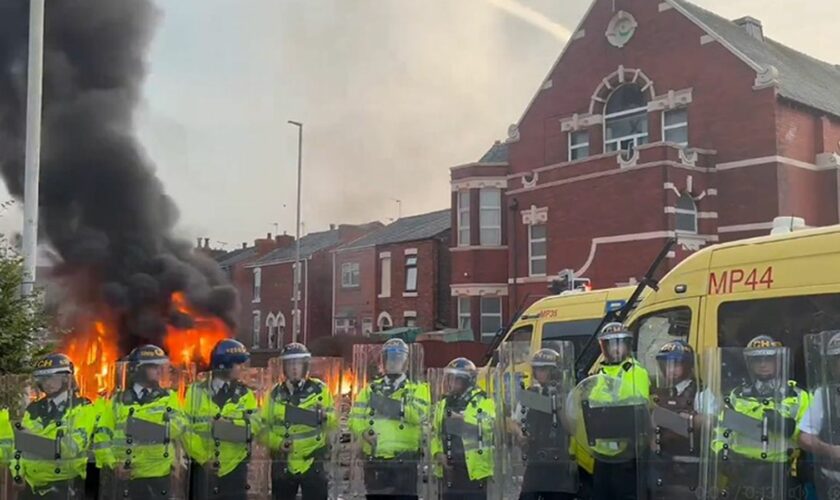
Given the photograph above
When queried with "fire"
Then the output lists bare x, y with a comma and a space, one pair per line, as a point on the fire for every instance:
347, 381
193, 344
94, 351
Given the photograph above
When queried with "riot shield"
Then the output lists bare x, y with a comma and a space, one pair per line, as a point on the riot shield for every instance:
536, 443
388, 421
821, 422
671, 468
471, 425
45, 433
300, 429
140, 435
223, 421
750, 435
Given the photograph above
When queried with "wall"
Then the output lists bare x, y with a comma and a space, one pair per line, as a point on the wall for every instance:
357, 303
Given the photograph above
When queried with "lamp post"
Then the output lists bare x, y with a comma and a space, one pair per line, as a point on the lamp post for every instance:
297, 271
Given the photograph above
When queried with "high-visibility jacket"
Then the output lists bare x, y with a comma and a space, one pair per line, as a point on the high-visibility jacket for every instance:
627, 382
202, 408
792, 405
395, 435
70, 428
301, 443
479, 412
7, 440
113, 449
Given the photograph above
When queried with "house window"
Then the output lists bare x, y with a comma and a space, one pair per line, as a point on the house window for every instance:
411, 273
281, 330
675, 126
384, 322
345, 326
686, 214
367, 326
464, 317
257, 284
537, 250
578, 145
385, 277
255, 330
490, 216
270, 330
491, 317
410, 322
349, 275
625, 120
464, 218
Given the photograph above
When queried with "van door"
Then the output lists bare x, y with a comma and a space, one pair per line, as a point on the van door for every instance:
668, 321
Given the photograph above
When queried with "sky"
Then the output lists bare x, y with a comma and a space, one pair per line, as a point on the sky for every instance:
392, 93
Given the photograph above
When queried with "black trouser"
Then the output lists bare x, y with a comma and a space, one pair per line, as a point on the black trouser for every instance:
457, 484
60, 490
392, 478
615, 481
205, 485
313, 484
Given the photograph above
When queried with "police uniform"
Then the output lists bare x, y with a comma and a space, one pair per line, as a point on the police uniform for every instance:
390, 467
469, 456
300, 450
219, 468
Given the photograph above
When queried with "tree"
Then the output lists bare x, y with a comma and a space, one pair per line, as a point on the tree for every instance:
22, 320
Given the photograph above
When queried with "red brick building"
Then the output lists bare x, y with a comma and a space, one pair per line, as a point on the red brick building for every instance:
266, 289
396, 276
659, 119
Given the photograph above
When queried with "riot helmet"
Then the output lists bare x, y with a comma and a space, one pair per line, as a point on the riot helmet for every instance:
394, 358
459, 376
616, 343
295, 359
676, 362
53, 373
146, 365
545, 365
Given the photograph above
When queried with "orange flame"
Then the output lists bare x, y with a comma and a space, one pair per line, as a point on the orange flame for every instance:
194, 344
347, 380
93, 351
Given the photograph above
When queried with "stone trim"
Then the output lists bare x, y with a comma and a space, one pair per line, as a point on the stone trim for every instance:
479, 182
410, 251
579, 121
753, 226
672, 100
480, 289
477, 247
534, 215
749, 162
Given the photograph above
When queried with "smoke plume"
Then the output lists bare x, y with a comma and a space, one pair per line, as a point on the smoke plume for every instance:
103, 210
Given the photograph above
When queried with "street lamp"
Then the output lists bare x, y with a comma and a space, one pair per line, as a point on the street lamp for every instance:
297, 270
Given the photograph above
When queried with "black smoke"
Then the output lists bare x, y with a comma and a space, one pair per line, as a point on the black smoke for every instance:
103, 210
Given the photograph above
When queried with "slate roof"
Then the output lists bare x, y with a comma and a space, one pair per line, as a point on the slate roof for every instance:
802, 78
498, 153
237, 256
414, 228
309, 244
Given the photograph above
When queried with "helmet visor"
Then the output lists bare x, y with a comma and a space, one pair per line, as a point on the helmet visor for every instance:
456, 381
296, 369
394, 361
616, 348
674, 370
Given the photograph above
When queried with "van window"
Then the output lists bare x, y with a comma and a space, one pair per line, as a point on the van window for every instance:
656, 329
787, 319
518, 344
578, 332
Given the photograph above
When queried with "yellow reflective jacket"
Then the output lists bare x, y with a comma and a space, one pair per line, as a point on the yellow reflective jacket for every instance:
304, 443
202, 409
113, 449
480, 412
632, 382
792, 406
7, 439
394, 434
71, 429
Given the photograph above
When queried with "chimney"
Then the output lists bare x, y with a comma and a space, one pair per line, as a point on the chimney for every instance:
206, 242
332, 227
752, 26
244, 245
283, 241
198, 242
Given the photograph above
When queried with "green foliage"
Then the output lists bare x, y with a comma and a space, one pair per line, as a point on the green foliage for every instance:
23, 323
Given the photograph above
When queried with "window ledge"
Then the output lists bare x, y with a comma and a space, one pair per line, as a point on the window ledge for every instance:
255, 300
477, 247
409, 294
382, 296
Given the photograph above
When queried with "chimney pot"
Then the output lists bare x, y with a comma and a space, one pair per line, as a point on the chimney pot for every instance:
332, 227
198, 243
244, 244
268, 236
752, 26
206, 242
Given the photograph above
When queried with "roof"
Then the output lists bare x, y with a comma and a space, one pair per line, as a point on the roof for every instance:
237, 256
498, 153
309, 244
801, 78
417, 227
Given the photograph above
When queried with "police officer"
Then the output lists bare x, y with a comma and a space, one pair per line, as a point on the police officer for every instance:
299, 418
820, 426
60, 424
674, 465
463, 434
222, 416
550, 472
142, 461
752, 466
387, 418
615, 464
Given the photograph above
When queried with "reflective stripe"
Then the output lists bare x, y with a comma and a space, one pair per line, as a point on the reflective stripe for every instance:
99, 446
104, 430
6, 442
201, 419
304, 435
360, 405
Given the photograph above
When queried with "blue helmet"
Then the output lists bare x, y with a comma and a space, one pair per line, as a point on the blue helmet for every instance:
147, 355
676, 351
227, 353
52, 364
462, 369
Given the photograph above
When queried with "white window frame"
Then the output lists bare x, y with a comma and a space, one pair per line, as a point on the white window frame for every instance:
349, 270
574, 147
465, 317
634, 137
487, 208
383, 318
385, 276
463, 209
257, 288
409, 274
489, 315
367, 326
270, 330
531, 257
256, 329
281, 329
675, 126
684, 211
348, 326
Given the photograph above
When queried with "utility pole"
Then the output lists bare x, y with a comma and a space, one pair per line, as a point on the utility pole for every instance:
297, 271
35, 83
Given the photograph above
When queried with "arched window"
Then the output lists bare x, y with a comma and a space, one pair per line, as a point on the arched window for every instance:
625, 119
384, 322
270, 330
686, 214
281, 330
